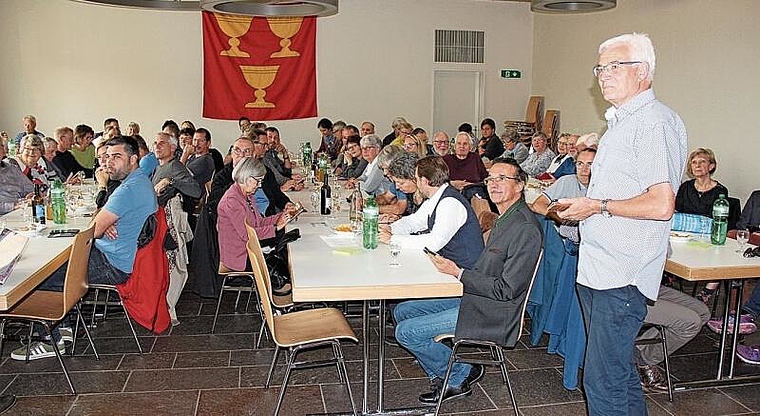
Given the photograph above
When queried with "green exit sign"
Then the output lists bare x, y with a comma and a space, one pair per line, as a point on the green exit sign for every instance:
511, 73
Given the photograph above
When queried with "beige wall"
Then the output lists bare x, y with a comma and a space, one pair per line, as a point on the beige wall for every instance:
71, 63
707, 70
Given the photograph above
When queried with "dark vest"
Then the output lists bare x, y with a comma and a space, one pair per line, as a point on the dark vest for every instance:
466, 245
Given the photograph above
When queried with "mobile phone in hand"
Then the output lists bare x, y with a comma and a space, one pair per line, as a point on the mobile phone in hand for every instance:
555, 206
429, 252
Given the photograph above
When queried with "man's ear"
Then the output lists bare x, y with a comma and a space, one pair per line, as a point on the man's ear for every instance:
136, 160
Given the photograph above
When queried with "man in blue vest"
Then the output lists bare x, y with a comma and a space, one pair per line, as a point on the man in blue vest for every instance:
444, 223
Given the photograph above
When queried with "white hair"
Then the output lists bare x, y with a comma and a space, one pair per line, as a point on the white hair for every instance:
641, 49
467, 135
589, 139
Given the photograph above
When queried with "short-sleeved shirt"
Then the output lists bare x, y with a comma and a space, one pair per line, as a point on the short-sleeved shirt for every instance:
565, 187
133, 201
644, 145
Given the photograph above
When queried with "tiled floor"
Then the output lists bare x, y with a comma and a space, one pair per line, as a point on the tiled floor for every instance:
189, 371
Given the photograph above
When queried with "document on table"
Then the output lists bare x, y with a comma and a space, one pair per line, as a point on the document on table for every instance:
12, 244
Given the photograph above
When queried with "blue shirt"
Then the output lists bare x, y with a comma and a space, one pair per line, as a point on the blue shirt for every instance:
133, 201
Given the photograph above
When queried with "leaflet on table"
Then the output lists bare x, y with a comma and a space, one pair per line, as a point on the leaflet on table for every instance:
12, 244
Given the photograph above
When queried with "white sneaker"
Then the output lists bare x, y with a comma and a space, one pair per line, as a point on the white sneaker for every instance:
37, 350
67, 334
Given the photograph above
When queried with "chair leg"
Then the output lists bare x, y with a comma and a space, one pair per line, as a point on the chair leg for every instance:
218, 304
452, 359
2, 336
291, 357
76, 329
237, 300
60, 358
336, 354
105, 305
132, 328
86, 331
29, 347
499, 356
94, 308
338, 350
500, 353
667, 362
271, 366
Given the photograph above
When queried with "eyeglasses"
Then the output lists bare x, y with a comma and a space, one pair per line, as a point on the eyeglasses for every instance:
582, 164
257, 178
611, 67
499, 179
32, 150
238, 151
752, 252
441, 141
368, 147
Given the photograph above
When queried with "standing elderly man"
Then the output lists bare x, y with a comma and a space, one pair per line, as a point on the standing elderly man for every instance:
628, 207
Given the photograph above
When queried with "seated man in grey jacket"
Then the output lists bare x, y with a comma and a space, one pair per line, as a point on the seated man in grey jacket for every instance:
494, 288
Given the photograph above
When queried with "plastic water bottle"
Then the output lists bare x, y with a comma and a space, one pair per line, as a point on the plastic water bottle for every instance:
720, 221
58, 199
371, 214
11, 148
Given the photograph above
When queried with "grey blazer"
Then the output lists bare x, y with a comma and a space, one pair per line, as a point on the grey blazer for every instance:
495, 288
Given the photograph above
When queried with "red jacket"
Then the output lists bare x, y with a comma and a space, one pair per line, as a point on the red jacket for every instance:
144, 293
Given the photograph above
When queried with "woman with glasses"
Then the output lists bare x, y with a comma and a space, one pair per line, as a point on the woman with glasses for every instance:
696, 196
414, 145
33, 166
244, 199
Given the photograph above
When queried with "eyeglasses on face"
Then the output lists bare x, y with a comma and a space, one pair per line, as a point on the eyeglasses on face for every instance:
499, 179
32, 150
611, 67
368, 147
238, 151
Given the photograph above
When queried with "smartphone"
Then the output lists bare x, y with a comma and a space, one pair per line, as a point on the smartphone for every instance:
302, 180
63, 233
301, 210
429, 252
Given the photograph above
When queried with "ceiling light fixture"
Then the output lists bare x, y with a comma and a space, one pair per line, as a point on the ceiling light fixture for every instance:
578, 6
318, 8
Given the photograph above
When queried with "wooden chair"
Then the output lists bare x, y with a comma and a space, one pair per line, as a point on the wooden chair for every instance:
301, 330
532, 122
551, 127
496, 350
48, 308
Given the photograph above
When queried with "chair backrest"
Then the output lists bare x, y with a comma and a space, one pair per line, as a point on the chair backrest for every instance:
551, 126
734, 211
524, 306
279, 302
261, 275
75, 286
534, 111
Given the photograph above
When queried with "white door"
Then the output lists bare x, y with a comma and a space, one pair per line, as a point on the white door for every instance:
457, 99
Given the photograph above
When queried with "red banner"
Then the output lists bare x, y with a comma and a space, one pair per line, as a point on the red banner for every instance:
258, 67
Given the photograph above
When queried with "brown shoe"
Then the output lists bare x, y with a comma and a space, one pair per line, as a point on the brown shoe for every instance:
652, 379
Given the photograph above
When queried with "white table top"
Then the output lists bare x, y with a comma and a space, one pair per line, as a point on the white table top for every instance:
40, 258
702, 261
323, 274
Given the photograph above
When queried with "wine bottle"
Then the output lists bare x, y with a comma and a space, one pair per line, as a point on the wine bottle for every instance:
324, 197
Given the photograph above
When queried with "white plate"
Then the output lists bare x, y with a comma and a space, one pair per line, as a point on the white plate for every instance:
346, 234
680, 237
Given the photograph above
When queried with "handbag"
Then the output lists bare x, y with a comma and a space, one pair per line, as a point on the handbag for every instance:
277, 261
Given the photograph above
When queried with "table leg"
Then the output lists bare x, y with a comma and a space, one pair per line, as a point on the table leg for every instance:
380, 355
365, 323
737, 316
724, 332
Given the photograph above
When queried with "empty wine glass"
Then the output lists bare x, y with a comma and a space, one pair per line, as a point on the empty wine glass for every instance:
742, 236
315, 200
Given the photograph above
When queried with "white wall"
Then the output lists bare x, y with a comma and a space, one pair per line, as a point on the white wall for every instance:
70, 63
707, 70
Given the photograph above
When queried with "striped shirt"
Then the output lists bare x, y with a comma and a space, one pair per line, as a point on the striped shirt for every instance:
644, 145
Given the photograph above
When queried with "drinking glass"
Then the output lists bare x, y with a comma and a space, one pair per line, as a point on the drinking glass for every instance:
315, 200
357, 227
395, 250
742, 236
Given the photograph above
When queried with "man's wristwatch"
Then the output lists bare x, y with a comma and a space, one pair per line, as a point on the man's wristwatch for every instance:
604, 210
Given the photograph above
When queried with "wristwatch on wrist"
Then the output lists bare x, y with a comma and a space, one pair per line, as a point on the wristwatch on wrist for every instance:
604, 210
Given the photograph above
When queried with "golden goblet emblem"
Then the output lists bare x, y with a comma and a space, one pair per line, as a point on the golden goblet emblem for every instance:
259, 77
285, 28
234, 26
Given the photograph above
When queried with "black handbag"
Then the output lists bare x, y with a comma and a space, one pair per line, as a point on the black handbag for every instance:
277, 261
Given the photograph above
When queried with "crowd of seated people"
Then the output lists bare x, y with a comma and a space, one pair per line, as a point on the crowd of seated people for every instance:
414, 183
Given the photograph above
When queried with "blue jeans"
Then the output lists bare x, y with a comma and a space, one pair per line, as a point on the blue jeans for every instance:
417, 323
613, 318
752, 306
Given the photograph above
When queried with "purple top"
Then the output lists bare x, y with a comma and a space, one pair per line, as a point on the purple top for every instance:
470, 169
232, 234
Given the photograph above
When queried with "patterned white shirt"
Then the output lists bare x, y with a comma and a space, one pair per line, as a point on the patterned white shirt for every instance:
644, 145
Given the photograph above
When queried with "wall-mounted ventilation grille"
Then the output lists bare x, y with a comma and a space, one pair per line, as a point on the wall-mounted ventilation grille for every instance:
460, 46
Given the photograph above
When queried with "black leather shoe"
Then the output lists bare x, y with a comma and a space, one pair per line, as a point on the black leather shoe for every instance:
476, 373
652, 380
452, 392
